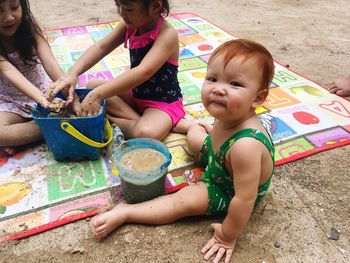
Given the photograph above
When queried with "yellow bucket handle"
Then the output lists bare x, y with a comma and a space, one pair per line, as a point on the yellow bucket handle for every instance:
67, 127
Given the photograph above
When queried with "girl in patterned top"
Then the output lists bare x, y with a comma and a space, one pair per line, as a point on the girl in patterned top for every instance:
23, 48
149, 92
237, 153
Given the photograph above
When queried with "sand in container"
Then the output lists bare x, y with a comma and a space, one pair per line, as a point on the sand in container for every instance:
142, 166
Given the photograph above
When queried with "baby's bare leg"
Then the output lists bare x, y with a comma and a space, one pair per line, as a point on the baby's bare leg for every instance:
189, 201
16, 130
340, 86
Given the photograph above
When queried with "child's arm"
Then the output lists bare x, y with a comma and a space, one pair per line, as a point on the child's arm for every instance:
88, 59
17, 79
164, 46
47, 58
52, 67
245, 158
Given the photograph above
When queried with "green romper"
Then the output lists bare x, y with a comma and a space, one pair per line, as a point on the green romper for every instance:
216, 177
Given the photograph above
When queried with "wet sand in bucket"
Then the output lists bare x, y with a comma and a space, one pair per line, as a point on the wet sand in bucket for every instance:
142, 160
142, 165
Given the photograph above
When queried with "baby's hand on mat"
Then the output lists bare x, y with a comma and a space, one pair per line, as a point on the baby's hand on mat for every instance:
91, 105
218, 244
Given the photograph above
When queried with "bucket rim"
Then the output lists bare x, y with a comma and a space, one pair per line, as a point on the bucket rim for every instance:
145, 142
80, 92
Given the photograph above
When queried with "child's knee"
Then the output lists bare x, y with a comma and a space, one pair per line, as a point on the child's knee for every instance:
93, 83
149, 131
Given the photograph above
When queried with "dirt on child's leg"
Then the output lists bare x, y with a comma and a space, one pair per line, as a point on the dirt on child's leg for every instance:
340, 86
189, 201
105, 223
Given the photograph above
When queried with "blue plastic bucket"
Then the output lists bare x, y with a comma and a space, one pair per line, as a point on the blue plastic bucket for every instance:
74, 139
140, 186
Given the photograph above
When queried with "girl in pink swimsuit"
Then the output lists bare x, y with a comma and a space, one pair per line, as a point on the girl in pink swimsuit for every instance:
24, 57
145, 101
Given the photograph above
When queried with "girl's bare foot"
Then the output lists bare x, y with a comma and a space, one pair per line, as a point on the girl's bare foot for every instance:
8, 150
113, 119
208, 127
105, 223
340, 87
182, 126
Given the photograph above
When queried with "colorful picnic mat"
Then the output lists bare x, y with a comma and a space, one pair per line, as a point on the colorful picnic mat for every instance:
37, 193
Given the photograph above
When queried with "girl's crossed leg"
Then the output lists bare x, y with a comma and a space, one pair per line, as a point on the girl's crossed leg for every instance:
16, 130
122, 110
188, 201
153, 123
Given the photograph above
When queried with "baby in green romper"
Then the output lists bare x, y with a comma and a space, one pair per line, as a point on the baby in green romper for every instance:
237, 153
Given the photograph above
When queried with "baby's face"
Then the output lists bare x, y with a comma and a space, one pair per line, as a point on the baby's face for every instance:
231, 91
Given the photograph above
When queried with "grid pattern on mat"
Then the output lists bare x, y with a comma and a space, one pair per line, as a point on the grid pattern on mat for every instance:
37, 193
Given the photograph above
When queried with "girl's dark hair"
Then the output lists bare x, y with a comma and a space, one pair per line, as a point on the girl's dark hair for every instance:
146, 3
25, 42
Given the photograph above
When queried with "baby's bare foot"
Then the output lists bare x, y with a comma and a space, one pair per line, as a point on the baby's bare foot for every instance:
105, 223
340, 87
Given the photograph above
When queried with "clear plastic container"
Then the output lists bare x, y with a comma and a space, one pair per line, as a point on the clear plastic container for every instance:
140, 186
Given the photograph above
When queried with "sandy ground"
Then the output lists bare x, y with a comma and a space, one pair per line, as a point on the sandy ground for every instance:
308, 197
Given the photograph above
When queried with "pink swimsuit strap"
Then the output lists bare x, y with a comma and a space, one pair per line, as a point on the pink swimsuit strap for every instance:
139, 41
134, 41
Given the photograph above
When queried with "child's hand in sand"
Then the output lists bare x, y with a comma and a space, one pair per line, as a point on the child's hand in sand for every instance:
44, 102
218, 244
57, 105
91, 105
76, 106
65, 83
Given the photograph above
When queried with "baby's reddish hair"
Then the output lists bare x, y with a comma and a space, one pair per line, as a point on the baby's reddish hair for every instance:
248, 49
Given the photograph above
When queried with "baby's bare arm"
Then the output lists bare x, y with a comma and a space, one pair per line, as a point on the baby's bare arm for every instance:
245, 158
